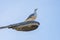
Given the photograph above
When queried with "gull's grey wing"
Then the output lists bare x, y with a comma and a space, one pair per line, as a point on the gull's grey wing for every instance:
33, 16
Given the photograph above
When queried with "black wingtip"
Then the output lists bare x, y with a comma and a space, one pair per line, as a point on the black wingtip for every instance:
36, 9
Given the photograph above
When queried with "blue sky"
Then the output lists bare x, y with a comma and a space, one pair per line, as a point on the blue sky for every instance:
15, 11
